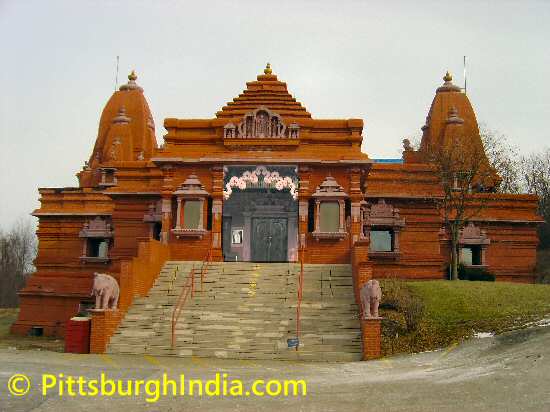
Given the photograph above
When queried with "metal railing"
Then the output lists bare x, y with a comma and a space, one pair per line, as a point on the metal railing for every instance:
187, 290
300, 294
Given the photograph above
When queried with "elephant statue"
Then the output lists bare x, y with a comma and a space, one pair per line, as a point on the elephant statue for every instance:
371, 294
106, 291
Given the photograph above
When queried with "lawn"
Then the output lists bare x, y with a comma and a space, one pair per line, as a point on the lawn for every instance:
7, 317
453, 311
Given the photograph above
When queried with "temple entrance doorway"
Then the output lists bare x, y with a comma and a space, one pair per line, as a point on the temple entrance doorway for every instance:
260, 214
269, 239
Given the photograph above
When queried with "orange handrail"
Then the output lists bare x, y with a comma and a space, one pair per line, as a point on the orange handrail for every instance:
300, 294
188, 289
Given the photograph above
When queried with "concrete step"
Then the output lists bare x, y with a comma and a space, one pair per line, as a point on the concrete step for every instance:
247, 311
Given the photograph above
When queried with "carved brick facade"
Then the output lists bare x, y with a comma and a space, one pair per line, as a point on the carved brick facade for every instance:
132, 196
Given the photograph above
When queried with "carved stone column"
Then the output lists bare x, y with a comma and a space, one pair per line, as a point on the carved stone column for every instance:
166, 213
292, 245
178, 215
342, 206
166, 203
217, 210
304, 174
247, 236
356, 196
317, 215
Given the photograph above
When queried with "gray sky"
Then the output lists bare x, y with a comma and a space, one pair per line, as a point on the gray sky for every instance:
379, 61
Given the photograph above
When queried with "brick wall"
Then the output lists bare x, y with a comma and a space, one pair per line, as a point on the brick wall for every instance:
136, 278
104, 324
371, 330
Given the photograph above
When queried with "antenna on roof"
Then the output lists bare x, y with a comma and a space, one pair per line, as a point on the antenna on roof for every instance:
116, 76
464, 74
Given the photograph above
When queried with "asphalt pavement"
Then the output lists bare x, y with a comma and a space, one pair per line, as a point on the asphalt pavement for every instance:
509, 372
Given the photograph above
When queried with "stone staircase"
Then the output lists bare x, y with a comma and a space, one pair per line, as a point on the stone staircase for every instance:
246, 311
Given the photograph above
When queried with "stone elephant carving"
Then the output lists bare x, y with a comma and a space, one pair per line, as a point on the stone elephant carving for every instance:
371, 294
106, 291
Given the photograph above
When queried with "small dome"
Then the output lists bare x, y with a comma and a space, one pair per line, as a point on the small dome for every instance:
449, 106
451, 116
131, 85
129, 109
448, 86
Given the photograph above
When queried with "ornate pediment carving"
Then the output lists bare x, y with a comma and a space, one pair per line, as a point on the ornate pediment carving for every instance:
473, 235
97, 227
330, 189
381, 214
261, 123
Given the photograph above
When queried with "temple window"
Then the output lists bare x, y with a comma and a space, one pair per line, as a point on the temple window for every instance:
190, 206
97, 248
192, 214
329, 217
381, 240
96, 235
473, 243
108, 177
154, 219
470, 255
329, 210
382, 225
311, 215
157, 230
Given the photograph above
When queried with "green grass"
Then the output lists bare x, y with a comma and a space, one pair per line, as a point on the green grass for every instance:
7, 317
451, 303
453, 311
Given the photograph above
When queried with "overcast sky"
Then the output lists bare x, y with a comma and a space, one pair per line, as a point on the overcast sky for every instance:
379, 61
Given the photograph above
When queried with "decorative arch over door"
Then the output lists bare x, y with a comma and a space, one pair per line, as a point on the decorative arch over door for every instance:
262, 178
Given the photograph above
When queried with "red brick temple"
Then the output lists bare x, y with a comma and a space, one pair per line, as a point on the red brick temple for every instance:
263, 184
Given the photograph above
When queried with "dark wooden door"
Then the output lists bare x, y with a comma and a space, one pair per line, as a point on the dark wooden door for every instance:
269, 239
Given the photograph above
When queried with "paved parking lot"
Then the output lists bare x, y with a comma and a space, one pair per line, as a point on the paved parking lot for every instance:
503, 373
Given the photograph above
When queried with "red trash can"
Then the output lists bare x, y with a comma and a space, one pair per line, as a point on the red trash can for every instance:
77, 335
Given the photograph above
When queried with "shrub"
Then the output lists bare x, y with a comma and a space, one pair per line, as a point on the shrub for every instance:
475, 274
397, 296
393, 291
413, 312
543, 266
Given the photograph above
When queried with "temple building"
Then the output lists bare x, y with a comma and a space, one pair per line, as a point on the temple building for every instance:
262, 182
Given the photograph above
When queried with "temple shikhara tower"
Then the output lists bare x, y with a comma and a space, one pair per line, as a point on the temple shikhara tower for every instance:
256, 226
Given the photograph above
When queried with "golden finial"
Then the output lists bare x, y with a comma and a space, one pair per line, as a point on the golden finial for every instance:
267, 69
132, 76
448, 77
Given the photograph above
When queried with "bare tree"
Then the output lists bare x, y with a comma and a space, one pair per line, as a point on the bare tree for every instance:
464, 173
504, 158
535, 170
17, 252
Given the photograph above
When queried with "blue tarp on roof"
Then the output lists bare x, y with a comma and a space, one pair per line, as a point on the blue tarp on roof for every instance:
398, 161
